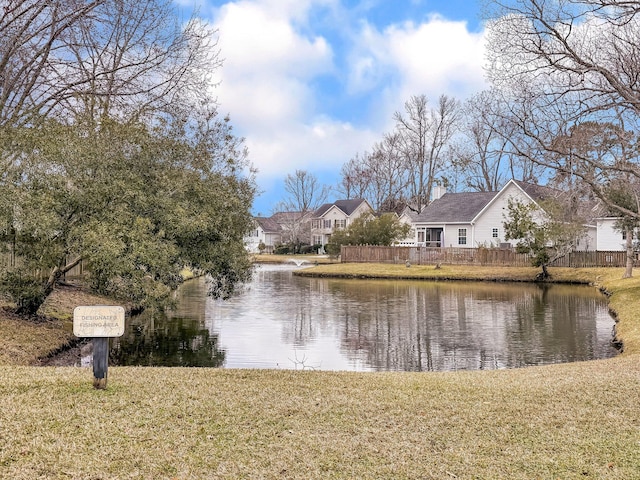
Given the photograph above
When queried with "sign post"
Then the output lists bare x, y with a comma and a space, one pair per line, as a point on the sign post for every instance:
99, 322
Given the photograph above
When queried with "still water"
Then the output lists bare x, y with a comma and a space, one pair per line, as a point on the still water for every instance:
285, 321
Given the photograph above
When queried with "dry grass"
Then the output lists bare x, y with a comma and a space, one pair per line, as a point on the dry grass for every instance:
571, 421
25, 342
450, 272
563, 421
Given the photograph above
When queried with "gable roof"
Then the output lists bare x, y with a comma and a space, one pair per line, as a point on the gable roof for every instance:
268, 224
347, 206
537, 193
455, 207
286, 217
587, 209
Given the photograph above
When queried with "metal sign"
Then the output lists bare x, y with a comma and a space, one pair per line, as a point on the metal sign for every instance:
98, 321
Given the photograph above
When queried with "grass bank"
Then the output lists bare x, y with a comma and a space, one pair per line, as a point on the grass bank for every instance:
27, 342
571, 421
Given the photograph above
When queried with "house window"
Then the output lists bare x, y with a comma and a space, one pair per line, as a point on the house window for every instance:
462, 236
316, 223
421, 236
317, 239
340, 223
327, 224
494, 233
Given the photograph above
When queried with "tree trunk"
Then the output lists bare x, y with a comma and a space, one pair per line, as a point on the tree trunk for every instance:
544, 274
628, 272
30, 304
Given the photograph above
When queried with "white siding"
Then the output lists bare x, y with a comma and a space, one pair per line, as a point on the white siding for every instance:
253, 239
450, 235
412, 237
493, 216
589, 242
361, 210
334, 214
608, 238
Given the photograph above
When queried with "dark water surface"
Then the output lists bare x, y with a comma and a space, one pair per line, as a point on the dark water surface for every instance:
285, 321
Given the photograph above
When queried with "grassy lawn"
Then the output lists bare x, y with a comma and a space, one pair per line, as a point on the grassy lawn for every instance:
571, 421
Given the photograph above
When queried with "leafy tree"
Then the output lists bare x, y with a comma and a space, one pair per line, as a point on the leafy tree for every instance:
369, 230
112, 152
541, 232
136, 205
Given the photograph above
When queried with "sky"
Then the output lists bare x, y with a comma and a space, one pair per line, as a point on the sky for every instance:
311, 83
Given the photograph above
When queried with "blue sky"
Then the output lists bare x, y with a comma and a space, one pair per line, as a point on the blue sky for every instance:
310, 83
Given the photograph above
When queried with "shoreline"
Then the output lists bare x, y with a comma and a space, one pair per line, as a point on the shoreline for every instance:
66, 349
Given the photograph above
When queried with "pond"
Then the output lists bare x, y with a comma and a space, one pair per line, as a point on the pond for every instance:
285, 321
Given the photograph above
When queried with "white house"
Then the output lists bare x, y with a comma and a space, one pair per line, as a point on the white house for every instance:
610, 238
265, 231
474, 219
336, 215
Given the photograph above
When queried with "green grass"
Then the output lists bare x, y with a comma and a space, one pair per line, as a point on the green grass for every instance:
570, 421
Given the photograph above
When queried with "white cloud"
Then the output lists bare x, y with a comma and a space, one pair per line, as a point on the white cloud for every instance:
432, 58
437, 56
276, 56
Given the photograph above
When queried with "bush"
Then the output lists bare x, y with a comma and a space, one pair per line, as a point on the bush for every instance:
332, 249
306, 249
282, 249
27, 293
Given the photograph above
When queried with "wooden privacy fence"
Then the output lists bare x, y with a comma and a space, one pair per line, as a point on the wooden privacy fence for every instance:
9, 260
474, 256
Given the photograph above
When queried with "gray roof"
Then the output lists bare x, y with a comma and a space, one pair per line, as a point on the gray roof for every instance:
455, 207
268, 224
537, 192
286, 217
585, 208
347, 206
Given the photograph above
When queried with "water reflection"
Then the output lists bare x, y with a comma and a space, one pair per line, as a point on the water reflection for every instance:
170, 339
285, 321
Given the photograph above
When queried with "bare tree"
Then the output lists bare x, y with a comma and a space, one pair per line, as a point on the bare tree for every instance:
565, 63
571, 70
425, 133
389, 177
482, 153
355, 177
124, 58
132, 58
32, 35
305, 194
588, 48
